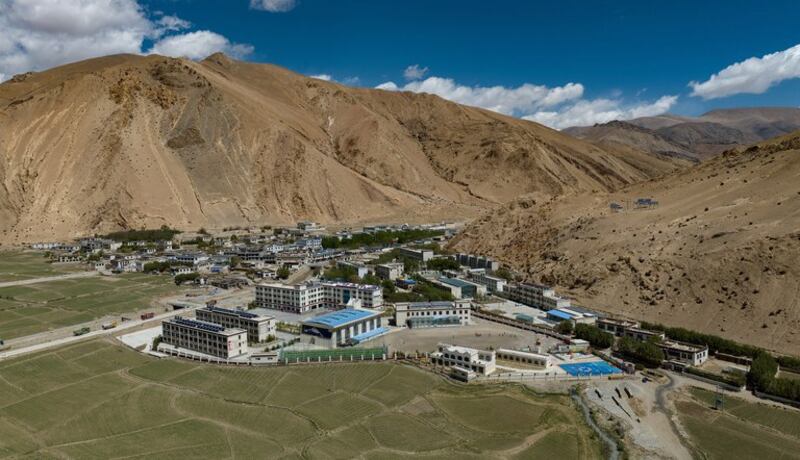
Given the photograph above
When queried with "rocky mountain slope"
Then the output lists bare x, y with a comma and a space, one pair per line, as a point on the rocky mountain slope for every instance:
131, 141
701, 137
718, 254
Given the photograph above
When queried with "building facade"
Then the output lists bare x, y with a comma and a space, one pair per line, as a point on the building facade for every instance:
482, 362
537, 360
204, 337
259, 327
474, 261
492, 283
390, 271
422, 255
350, 326
432, 314
535, 295
302, 298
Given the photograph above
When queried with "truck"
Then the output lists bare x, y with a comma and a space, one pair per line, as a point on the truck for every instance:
81, 331
109, 325
148, 315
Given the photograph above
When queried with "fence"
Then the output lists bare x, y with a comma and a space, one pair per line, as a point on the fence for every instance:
519, 324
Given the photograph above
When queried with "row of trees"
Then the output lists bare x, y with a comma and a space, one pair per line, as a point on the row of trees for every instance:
162, 234
596, 337
378, 239
762, 377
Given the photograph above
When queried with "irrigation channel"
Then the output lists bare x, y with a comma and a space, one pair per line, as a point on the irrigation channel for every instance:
613, 450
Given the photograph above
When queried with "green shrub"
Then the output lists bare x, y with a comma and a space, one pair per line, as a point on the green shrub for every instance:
594, 335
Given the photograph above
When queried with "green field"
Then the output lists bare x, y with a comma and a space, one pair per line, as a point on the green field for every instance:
18, 266
101, 400
29, 309
742, 430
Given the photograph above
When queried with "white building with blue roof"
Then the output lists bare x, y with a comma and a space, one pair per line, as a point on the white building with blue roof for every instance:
344, 327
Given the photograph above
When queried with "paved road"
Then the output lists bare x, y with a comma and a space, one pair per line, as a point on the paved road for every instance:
62, 341
49, 278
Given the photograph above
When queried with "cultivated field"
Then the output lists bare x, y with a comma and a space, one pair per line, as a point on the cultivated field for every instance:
101, 400
18, 266
742, 430
26, 310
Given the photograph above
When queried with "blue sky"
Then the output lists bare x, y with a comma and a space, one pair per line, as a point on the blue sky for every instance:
624, 58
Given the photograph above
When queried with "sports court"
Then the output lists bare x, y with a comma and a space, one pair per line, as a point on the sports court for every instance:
590, 369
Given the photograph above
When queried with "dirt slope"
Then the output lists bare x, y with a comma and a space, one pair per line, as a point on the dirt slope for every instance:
130, 141
719, 254
700, 137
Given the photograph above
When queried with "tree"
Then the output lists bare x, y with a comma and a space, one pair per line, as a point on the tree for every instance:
443, 263
648, 353
564, 327
594, 335
283, 273
235, 261
504, 273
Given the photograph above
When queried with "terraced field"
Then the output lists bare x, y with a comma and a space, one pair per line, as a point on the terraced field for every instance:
742, 430
29, 309
101, 400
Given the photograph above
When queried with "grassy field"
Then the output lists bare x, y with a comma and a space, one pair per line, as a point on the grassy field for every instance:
17, 266
26, 310
743, 430
101, 400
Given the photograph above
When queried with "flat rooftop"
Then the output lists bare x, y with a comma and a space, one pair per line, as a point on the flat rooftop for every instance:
431, 305
240, 313
341, 317
204, 326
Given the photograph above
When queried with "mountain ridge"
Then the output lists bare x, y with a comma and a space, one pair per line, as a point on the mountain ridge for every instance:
127, 141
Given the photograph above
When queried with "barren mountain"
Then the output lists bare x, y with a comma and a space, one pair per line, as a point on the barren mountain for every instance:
718, 254
131, 141
701, 137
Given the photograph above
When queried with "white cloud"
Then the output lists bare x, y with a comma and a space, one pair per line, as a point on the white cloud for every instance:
198, 45
415, 72
39, 34
510, 101
558, 107
588, 112
388, 86
322, 76
273, 6
753, 76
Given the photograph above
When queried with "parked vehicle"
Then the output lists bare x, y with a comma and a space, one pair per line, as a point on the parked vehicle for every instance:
81, 331
110, 325
148, 315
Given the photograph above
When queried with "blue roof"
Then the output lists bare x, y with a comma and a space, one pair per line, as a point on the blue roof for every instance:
559, 314
341, 317
455, 282
370, 334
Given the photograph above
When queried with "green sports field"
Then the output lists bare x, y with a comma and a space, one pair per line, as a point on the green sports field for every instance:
742, 430
34, 308
101, 400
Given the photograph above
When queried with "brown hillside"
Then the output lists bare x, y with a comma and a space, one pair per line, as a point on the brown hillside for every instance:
719, 254
130, 141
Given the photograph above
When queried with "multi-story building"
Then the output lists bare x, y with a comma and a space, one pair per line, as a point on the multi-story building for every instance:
492, 283
422, 255
535, 295
204, 337
432, 314
479, 361
193, 258
474, 261
467, 289
301, 298
390, 271
350, 326
258, 327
